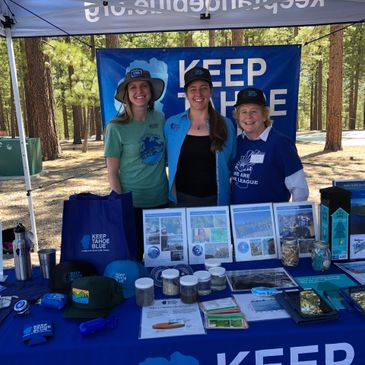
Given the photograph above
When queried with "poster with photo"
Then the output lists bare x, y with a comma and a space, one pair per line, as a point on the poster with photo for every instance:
298, 220
164, 235
253, 232
275, 277
209, 234
357, 216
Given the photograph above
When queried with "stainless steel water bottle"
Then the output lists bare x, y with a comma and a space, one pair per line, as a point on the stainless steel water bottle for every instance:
21, 251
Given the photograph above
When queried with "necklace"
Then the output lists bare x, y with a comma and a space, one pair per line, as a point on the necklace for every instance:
200, 126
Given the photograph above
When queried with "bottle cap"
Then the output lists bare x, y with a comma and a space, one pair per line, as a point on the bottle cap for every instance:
170, 274
188, 280
217, 271
19, 228
202, 275
211, 263
144, 283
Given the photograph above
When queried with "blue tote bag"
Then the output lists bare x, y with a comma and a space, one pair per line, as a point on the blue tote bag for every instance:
98, 229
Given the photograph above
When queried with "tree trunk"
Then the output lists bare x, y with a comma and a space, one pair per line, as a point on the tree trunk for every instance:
42, 107
334, 117
237, 37
66, 131
211, 38
356, 90
188, 40
86, 117
352, 113
98, 124
112, 41
315, 103
319, 95
312, 125
2, 116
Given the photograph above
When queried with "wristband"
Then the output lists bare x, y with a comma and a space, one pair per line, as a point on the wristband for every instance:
263, 291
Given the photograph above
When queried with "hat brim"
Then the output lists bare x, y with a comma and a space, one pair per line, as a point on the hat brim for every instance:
72, 312
157, 86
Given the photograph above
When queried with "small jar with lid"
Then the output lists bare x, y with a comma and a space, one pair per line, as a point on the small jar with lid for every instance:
290, 251
204, 282
189, 289
145, 293
218, 278
170, 281
321, 256
209, 263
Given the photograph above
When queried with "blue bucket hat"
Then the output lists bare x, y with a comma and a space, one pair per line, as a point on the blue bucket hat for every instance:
126, 272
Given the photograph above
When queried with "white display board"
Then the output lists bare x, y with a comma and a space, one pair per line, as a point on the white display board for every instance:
298, 220
164, 235
253, 231
209, 234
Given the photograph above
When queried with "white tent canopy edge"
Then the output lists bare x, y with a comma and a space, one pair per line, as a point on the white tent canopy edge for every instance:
32, 18
75, 17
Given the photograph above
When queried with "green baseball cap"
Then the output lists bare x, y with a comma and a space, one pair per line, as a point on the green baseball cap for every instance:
93, 296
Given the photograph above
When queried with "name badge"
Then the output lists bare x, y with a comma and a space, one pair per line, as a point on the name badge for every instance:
257, 158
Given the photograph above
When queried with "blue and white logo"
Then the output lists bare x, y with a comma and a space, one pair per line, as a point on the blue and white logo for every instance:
151, 149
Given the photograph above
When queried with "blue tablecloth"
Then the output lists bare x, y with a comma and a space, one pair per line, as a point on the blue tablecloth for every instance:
339, 342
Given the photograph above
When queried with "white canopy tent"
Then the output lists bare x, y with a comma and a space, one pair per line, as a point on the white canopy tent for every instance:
35, 18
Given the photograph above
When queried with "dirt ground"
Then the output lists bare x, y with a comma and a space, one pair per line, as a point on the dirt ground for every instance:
77, 172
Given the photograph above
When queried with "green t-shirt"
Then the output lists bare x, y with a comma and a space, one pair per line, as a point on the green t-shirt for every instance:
140, 146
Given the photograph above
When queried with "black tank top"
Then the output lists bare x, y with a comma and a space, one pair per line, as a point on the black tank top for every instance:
196, 169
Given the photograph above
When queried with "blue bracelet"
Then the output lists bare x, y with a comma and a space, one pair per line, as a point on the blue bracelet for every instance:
263, 291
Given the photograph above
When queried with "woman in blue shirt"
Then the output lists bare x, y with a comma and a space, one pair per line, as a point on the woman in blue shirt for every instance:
267, 167
200, 145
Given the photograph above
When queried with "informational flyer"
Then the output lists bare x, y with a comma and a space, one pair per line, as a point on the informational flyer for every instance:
164, 234
355, 269
209, 234
171, 317
259, 308
253, 232
297, 220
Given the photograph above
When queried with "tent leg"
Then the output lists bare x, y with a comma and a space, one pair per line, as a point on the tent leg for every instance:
23, 147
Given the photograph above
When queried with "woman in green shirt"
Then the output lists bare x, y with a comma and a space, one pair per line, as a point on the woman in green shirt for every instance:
135, 148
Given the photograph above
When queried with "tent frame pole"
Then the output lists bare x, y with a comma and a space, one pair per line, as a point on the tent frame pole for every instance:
23, 147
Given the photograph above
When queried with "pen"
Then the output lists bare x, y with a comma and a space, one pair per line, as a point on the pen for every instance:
167, 325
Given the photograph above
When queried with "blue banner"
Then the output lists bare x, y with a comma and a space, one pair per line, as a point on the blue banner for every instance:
275, 69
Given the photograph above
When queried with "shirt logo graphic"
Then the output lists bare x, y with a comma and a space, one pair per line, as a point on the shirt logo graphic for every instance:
151, 149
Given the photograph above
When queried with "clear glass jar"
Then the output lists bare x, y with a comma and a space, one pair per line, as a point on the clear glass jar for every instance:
218, 278
209, 263
290, 251
189, 289
204, 282
321, 256
145, 293
170, 281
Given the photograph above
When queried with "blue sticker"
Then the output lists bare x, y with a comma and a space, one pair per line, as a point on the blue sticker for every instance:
197, 250
243, 247
153, 252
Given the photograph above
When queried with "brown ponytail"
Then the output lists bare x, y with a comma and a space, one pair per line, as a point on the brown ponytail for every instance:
217, 129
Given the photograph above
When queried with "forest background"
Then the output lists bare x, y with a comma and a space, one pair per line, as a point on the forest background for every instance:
59, 87
60, 102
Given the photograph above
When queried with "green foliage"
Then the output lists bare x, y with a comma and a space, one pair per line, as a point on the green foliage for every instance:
83, 92
63, 55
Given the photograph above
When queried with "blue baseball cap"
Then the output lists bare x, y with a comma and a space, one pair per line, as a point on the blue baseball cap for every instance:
126, 272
